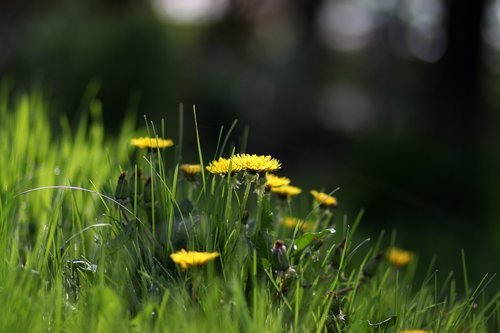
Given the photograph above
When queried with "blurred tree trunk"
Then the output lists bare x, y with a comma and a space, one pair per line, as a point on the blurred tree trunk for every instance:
458, 86
308, 66
308, 63
457, 111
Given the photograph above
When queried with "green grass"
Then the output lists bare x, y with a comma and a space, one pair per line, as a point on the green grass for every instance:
74, 258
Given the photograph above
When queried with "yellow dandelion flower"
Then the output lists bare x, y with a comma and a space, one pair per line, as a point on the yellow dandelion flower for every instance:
292, 222
324, 199
221, 166
151, 143
414, 331
286, 191
399, 257
190, 169
255, 163
276, 181
186, 259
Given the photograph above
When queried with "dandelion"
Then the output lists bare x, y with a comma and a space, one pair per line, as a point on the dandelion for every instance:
292, 222
186, 259
399, 257
221, 166
255, 163
324, 199
151, 143
287, 191
190, 171
276, 181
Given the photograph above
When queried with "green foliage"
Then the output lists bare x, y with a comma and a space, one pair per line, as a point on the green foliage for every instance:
87, 225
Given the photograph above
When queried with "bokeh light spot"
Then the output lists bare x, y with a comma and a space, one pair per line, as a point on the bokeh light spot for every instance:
345, 26
346, 108
191, 11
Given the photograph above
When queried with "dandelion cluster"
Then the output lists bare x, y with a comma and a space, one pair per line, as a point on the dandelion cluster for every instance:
273, 244
175, 247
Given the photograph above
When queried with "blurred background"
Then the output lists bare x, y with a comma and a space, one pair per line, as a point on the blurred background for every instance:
394, 101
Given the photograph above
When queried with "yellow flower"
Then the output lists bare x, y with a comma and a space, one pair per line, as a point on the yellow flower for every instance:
221, 166
399, 257
255, 163
414, 331
192, 258
190, 169
276, 181
291, 222
287, 191
146, 142
324, 199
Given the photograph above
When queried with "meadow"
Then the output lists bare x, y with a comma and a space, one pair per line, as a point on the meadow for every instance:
103, 233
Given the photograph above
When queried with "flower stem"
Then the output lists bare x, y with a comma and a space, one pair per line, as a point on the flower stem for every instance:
260, 197
245, 198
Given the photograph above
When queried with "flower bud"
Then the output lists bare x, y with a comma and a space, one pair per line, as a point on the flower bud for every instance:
121, 192
279, 259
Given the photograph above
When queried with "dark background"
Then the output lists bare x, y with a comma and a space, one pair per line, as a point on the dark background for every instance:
394, 101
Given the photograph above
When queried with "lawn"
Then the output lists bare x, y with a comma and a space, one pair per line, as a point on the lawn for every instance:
107, 234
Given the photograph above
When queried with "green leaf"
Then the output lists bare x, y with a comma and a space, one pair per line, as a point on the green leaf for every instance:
309, 237
263, 245
265, 263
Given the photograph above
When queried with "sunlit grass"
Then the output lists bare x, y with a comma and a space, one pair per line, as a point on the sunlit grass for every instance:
88, 225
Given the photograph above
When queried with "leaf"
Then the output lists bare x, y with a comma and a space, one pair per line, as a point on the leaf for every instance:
306, 239
263, 245
265, 263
